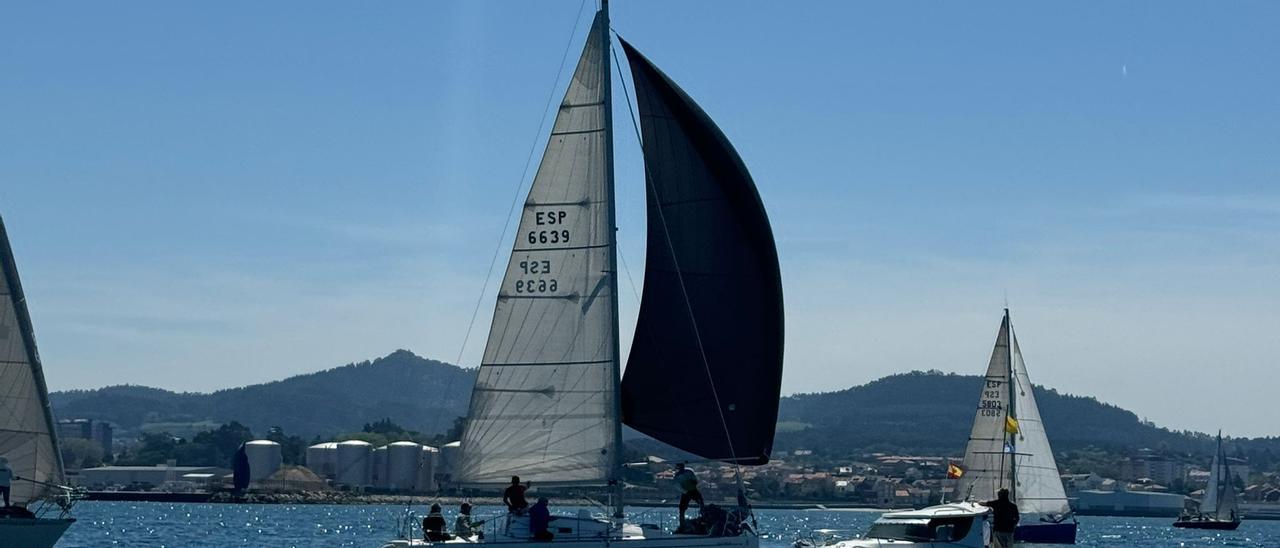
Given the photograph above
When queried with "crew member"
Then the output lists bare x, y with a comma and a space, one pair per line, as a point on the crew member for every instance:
540, 520
1004, 519
513, 497
434, 525
463, 526
6, 479
687, 481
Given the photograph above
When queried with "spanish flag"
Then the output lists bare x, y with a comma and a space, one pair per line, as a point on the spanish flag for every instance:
1011, 425
953, 471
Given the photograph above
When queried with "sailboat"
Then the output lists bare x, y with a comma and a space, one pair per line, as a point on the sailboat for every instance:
37, 514
705, 367
1008, 449
1219, 508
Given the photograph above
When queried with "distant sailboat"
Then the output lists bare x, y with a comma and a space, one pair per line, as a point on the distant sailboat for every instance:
705, 368
28, 439
1008, 449
1219, 508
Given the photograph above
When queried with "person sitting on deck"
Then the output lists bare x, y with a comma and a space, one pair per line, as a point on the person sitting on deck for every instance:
463, 526
540, 521
434, 525
513, 497
688, 483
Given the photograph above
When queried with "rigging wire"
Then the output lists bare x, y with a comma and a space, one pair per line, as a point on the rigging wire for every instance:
515, 200
715, 395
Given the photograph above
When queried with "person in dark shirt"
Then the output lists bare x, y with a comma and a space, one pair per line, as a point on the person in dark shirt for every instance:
1004, 519
434, 525
513, 497
540, 520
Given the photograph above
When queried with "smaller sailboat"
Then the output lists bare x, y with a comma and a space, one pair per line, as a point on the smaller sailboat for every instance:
28, 440
1009, 449
1219, 508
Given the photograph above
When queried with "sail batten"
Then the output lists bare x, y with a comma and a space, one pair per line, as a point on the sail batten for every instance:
710, 328
544, 404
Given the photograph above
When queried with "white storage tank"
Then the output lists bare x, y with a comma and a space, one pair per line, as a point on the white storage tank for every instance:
378, 468
322, 458
264, 458
403, 459
427, 470
449, 456
353, 464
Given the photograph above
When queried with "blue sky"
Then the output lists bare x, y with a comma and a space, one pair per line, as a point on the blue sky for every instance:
204, 196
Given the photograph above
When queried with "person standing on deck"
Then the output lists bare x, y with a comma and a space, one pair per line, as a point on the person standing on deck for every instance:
6, 479
687, 481
513, 497
1004, 519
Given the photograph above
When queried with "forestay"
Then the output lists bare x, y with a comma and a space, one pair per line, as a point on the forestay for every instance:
987, 457
543, 406
26, 422
1039, 485
710, 327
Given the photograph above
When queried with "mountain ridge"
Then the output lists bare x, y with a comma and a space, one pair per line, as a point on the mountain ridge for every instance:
916, 412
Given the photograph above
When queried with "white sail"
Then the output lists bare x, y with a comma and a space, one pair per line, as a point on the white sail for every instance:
544, 404
1219, 495
987, 461
26, 423
1039, 486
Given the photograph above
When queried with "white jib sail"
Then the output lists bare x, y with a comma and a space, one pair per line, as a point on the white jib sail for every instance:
1039, 484
26, 427
543, 406
986, 458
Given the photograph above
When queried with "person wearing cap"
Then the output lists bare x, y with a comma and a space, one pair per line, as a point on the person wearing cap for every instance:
463, 526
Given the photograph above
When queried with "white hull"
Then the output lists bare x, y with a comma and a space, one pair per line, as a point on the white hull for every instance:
32, 533
672, 541
587, 532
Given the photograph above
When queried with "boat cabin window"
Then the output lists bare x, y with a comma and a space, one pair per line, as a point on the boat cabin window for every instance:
922, 530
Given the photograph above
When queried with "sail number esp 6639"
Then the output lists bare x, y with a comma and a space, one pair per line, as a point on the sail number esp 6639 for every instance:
553, 234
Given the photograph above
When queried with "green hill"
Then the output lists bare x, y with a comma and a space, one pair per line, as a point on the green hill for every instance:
421, 394
918, 413
931, 413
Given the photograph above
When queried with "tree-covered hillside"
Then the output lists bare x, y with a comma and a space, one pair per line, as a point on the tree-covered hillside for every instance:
932, 413
424, 395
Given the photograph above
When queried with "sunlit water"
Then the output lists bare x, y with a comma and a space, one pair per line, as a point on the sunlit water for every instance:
158, 524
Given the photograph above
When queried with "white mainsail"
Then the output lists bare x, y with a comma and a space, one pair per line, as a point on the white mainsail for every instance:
1039, 485
544, 405
26, 422
1008, 447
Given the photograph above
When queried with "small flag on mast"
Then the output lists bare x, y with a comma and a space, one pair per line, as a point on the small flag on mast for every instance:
954, 471
1011, 425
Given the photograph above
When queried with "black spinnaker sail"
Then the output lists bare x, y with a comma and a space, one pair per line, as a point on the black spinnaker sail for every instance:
705, 367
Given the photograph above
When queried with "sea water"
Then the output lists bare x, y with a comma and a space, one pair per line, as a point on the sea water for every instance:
177, 525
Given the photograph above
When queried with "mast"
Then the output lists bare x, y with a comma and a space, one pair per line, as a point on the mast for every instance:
606, 79
1010, 412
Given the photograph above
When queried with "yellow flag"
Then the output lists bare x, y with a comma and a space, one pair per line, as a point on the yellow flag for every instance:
1010, 425
954, 472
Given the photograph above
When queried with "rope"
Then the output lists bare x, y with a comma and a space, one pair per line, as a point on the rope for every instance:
684, 292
